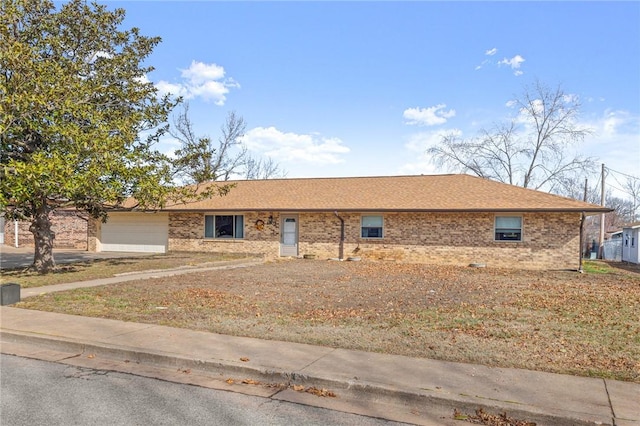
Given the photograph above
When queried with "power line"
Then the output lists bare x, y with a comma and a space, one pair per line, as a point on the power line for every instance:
621, 173
618, 182
626, 191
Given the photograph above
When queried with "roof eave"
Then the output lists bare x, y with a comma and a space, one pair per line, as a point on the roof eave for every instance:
388, 210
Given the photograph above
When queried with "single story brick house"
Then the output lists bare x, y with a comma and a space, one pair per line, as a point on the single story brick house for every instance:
69, 226
444, 219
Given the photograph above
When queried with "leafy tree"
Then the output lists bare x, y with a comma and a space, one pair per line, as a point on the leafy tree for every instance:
531, 150
74, 100
200, 159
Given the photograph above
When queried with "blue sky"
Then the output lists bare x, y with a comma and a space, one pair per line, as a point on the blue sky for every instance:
363, 88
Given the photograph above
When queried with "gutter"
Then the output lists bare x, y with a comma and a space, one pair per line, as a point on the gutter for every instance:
292, 209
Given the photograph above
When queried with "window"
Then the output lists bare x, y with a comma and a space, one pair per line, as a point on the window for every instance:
219, 226
508, 228
371, 227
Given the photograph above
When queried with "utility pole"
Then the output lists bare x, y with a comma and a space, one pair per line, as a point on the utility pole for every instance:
601, 245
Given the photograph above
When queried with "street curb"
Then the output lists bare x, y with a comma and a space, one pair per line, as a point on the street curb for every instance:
356, 389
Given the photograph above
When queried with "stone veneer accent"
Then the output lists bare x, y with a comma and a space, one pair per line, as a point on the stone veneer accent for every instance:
550, 240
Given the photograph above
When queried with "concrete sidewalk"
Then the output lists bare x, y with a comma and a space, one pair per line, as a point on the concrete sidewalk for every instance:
140, 275
412, 390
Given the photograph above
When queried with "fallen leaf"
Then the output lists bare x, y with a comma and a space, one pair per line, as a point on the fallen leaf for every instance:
320, 392
229, 381
244, 359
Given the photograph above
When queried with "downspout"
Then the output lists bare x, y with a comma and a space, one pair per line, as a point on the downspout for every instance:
341, 246
582, 219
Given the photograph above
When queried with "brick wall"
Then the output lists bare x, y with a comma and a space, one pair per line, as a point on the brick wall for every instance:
186, 233
550, 240
70, 231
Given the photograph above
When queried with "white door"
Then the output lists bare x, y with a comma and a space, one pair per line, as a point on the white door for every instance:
289, 237
135, 232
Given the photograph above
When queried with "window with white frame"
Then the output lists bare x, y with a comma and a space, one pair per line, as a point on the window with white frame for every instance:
508, 228
224, 226
371, 227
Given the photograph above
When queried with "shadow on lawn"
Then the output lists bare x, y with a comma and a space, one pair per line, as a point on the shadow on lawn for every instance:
624, 266
75, 267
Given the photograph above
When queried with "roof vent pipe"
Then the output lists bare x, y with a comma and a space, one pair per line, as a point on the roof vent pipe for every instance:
341, 246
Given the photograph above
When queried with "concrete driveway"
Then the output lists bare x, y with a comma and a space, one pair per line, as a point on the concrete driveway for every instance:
12, 257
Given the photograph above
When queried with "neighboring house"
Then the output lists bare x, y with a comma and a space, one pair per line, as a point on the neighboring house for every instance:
70, 231
444, 219
612, 248
631, 243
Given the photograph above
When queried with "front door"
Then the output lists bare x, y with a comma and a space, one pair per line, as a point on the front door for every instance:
289, 236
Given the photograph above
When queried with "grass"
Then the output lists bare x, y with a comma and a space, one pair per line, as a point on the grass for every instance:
596, 267
559, 321
104, 268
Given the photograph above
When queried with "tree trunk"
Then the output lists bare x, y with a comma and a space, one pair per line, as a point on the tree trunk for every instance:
43, 237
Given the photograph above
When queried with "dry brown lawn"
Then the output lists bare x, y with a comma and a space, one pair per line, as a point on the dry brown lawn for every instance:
559, 321
104, 268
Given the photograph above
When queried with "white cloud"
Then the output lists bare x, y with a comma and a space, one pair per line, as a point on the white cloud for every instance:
514, 63
143, 79
165, 87
615, 142
614, 124
206, 81
200, 73
428, 116
209, 91
99, 54
417, 147
489, 52
293, 147
420, 142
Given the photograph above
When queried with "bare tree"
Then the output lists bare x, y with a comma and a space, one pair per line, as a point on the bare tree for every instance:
262, 169
632, 187
531, 150
200, 159
572, 186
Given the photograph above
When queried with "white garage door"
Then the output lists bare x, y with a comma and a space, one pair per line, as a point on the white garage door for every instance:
137, 232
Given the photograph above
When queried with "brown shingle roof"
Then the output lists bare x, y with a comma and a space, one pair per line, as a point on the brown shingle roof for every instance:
380, 194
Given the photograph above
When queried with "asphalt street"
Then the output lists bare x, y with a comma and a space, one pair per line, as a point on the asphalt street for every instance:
11, 257
43, 393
